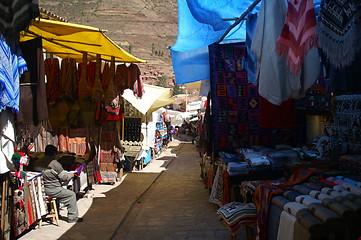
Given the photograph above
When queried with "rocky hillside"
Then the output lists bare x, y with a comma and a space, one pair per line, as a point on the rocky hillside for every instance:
145, 28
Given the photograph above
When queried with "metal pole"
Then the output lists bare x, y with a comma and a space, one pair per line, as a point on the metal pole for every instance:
186, 99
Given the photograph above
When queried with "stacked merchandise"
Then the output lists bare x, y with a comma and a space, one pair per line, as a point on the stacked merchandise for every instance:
346, 121
160, 136
234, 215
107, 164
132, 128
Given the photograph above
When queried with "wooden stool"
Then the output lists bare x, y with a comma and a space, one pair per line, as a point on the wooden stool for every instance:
52, 211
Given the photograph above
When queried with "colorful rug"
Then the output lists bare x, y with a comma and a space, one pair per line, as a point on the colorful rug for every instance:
235, 104
235, 101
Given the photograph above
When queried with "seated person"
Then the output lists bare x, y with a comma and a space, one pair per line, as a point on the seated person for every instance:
54, 177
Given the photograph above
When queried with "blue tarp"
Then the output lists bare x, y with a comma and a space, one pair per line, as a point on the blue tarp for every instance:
200, 24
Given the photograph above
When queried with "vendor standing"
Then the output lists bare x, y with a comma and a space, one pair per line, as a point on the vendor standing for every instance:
54, 178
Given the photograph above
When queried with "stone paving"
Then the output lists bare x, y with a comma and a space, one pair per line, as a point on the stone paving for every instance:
165, 200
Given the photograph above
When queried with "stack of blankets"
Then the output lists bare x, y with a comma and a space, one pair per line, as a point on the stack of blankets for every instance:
234, 215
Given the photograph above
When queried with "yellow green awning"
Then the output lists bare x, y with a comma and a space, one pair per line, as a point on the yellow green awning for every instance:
71, 40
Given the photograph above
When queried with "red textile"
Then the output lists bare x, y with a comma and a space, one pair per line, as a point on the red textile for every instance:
84, 88
274, 116
52, 72
91, 73
105, 77
298, 35
120, 83
133, 76
267, 190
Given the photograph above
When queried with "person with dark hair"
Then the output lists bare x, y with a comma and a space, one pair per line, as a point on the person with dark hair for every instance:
54, 177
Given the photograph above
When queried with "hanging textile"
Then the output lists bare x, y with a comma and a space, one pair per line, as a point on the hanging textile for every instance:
33, 112
87, 108
69, 78
16, 15
276, 83
133, 76
52, 73
91, 74
105, 77
234, 100
339, 30
274, 116
298, 35
84, 89
121, 78
250, 60
11, 67
7, 141
97, 90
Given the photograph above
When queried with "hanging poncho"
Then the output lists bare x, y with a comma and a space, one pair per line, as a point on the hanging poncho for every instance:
339, 29
298, 35
52, 72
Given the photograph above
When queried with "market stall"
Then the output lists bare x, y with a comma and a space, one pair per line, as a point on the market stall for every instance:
77, 109
144, 118
279, 150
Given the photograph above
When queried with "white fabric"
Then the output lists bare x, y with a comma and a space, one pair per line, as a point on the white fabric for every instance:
154, 97
286, 226
7, 141
293, 207
276, 83
319, 195
306, 199
352, 188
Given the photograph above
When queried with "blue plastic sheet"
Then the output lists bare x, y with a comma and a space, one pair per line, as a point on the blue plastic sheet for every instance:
200, 24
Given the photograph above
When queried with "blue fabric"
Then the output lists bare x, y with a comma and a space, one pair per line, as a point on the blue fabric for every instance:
191, 66
11, 67
200, 24
148, 158
249, 58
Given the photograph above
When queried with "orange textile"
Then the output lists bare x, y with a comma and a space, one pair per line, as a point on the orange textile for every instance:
97, 90
84, 88
69, 79
52, 73
105, 77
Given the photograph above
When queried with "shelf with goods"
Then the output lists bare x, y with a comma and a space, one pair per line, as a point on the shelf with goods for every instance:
161, 136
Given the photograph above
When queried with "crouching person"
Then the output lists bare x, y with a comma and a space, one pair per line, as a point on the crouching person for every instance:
54, 177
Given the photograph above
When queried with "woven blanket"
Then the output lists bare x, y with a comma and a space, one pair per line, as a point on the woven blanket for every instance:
298, 35
235, 101
338, 28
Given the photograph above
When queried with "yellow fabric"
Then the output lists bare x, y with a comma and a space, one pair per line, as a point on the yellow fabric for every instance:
70, 40
154, 97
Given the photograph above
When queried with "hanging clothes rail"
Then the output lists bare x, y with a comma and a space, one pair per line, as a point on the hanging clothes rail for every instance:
240, 19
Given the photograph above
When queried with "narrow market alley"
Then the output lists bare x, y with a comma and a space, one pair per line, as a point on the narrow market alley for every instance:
165, 200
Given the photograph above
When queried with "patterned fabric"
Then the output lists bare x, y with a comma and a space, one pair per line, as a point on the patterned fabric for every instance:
235, 101
69, 78
266, 191
84, 89
216, 195
52, 72
346, 121
338, 29
298, 35
97, 90
234, 215
11, 67
16, 15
